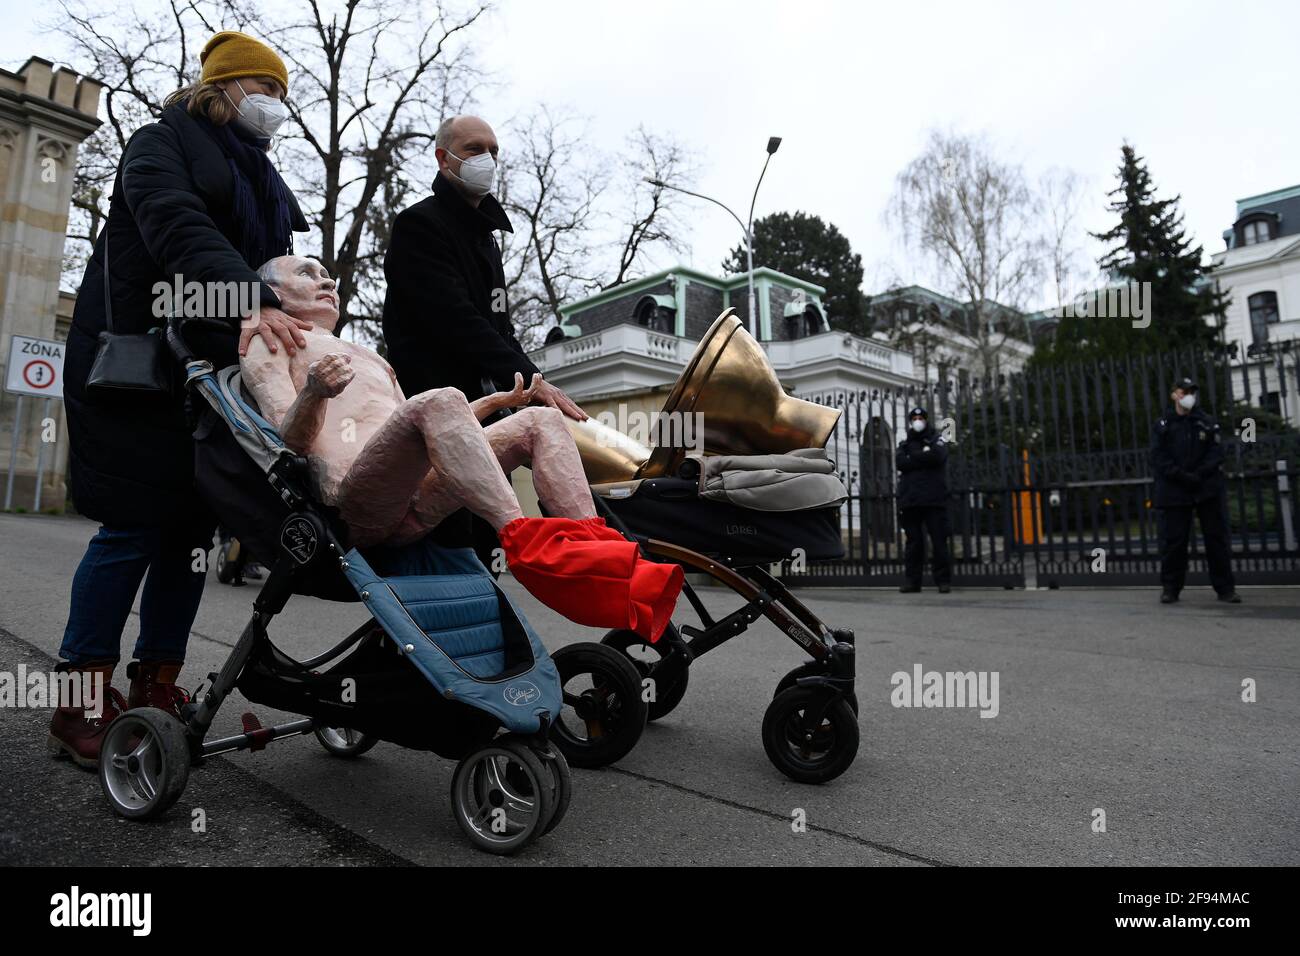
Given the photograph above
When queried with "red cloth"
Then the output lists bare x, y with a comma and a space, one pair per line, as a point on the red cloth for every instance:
591, 574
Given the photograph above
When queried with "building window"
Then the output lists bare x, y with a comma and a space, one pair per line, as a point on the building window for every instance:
1257, 230
805, 323
654, 316
1263, 313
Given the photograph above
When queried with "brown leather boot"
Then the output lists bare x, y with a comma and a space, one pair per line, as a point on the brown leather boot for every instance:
153, 684
76, 733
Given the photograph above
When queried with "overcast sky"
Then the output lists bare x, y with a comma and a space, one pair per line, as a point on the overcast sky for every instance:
1206, 91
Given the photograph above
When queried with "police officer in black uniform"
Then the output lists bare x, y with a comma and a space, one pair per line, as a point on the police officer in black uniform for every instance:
923, 501
1187, 460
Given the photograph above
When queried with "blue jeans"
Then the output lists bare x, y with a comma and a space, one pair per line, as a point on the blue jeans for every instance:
106, 583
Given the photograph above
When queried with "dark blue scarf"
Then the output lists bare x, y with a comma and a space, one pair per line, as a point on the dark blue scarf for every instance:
261, 199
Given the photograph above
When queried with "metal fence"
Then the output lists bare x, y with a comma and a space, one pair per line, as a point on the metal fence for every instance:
1049, 473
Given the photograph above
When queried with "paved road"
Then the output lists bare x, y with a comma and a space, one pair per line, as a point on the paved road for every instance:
1107, 700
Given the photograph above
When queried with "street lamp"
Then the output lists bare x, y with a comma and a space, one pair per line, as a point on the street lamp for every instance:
773, 143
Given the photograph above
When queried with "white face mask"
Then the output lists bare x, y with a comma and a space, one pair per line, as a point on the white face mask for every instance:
918, 425
477, 174
1188, 401
260, 114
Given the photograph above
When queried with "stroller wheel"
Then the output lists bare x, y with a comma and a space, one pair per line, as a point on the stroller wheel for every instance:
344, 741
603, 714
808, 669
144, 763
810, 754
501, 796
561, 785
226, 561
645, 658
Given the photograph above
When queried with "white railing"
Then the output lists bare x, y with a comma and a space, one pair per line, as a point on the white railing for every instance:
619, 340
784, 356
841, 346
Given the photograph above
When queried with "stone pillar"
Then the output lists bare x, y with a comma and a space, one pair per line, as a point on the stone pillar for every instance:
45, 114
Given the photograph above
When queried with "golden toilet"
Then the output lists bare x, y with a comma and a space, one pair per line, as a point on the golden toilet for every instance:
742, 410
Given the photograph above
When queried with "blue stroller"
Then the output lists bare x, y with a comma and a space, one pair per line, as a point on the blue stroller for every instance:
445, 664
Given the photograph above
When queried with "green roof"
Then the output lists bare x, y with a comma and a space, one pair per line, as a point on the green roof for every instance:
737, 280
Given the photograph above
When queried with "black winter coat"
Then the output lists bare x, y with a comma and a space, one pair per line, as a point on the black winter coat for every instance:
921, 461
1186, 459
444, 277
170, 215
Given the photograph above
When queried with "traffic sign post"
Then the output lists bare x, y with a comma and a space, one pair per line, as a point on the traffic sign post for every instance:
13, 453
40, 458
35, 368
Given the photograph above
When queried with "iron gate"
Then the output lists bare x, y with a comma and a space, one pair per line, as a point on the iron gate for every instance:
1049, 472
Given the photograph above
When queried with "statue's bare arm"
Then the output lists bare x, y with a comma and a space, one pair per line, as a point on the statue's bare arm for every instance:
298, 415
517, 397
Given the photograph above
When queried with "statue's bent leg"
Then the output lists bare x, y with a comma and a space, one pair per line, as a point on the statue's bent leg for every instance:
433, 430
537, 437
577, 566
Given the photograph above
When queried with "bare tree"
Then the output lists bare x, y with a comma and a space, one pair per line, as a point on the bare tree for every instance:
974, 218
1061, 193
370, 85
552, 195
651, 214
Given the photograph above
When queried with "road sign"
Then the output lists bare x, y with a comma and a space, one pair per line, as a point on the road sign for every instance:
35, 367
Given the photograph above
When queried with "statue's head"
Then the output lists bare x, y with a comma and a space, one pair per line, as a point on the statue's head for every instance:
305, 289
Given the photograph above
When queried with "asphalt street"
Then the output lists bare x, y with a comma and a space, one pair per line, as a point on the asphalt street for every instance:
1107, 700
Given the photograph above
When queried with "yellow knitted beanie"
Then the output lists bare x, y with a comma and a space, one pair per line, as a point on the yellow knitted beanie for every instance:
230, 55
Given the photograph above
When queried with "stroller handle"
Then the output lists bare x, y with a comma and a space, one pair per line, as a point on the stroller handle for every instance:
175, 335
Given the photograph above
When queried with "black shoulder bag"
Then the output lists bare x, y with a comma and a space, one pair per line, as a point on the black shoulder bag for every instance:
128, 367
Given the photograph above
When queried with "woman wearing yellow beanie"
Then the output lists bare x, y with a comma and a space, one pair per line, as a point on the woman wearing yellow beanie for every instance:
195, 199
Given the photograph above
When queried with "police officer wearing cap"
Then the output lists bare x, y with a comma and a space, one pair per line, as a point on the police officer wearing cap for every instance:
1187, 460
921, 461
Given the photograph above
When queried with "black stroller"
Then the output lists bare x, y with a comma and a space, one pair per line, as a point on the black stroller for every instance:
445, 664
810, 730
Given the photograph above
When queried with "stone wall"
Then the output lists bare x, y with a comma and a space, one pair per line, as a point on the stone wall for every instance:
45, 114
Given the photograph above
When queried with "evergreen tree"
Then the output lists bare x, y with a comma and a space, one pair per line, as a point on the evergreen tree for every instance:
1147, 245
807, 248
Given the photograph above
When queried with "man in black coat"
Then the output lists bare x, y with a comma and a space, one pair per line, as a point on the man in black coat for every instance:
1187, 461
921, 461
446, 318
